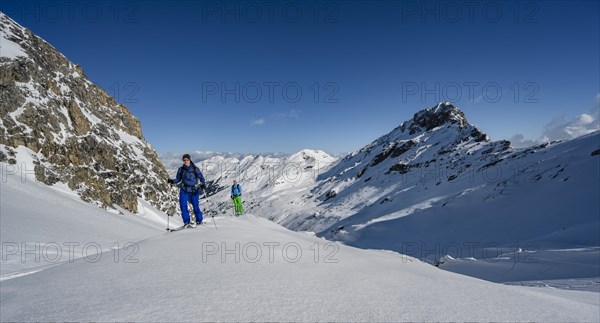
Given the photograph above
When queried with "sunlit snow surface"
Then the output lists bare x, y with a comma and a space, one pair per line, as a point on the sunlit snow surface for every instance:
232, 269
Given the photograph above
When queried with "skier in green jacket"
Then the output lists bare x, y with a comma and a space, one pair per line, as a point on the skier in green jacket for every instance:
236, 196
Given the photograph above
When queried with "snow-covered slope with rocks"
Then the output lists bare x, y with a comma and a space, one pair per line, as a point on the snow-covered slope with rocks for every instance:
524, 213
277, 185
80, 135
433, 148
53, 224
439, 189
244, 269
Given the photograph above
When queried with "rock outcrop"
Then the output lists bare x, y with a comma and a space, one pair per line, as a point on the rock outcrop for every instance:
80, 134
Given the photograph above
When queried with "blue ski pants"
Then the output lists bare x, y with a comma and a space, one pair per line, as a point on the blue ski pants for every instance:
194, 198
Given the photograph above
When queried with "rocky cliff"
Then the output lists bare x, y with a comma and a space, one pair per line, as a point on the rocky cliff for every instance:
80, 134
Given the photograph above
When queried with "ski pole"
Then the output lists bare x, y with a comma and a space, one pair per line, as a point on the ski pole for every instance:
211, 215
168, 216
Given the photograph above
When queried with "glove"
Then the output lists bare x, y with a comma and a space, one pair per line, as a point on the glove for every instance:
170, 181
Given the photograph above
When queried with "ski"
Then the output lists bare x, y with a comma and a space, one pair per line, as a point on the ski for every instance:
176, 229
183, 227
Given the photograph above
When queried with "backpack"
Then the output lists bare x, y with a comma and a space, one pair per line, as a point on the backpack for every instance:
183, 171
236, 186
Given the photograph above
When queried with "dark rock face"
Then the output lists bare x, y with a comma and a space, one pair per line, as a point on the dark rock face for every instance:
401, 149
400, 168
394, 150
384, 154
437, 116
361, 173
442, 115
479, 136
331, 194
80, 134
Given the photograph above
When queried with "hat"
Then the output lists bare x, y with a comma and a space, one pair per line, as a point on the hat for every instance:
186, 156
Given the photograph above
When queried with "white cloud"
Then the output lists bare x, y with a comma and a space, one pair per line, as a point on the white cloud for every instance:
519, 141
586, 119
294, 113
560, 128
476, 100
258, 122
291, 114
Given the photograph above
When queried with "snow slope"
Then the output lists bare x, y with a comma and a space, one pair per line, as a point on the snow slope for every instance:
37, 217
176, 278
538, 220
193, 275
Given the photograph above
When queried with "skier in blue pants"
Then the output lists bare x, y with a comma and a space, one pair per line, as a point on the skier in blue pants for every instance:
191, 183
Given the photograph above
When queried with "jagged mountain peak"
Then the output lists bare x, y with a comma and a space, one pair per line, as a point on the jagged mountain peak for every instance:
441, 114
443, 126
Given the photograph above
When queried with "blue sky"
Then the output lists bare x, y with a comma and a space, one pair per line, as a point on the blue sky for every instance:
362, 67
